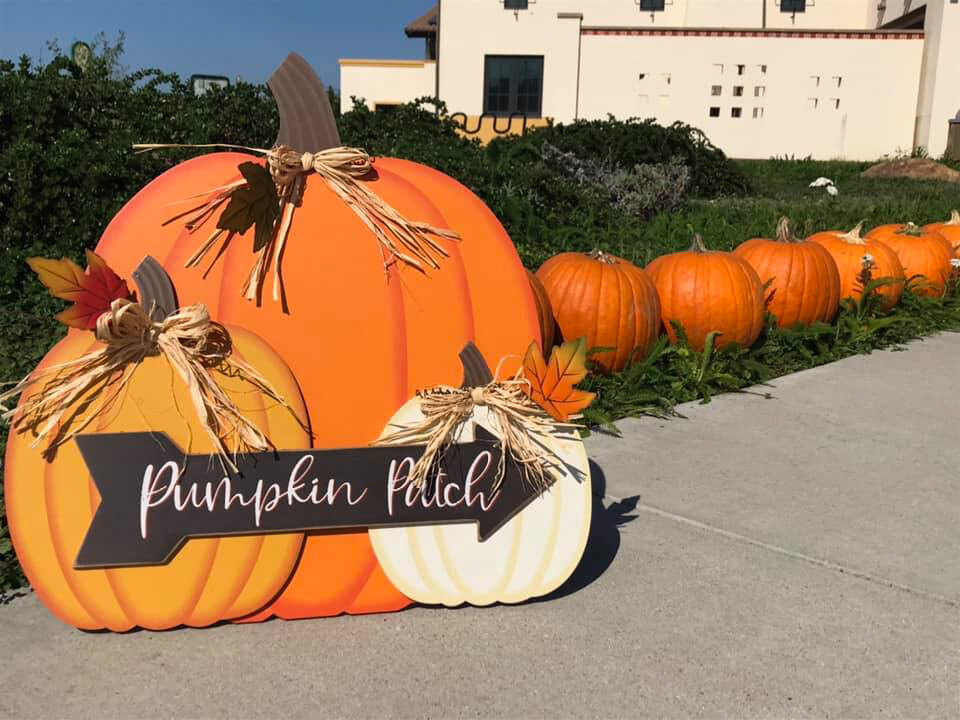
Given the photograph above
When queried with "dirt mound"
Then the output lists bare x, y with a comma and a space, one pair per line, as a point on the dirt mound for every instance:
913, 169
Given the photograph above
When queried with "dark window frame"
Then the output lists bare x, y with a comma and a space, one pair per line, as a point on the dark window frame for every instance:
513, 104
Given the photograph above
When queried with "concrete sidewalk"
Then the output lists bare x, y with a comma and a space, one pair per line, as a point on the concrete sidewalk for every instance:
790, 556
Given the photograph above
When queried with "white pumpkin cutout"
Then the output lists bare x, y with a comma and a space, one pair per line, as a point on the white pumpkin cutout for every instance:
530, 556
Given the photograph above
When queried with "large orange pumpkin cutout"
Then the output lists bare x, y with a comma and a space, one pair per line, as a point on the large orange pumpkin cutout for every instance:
360, 340
50, 505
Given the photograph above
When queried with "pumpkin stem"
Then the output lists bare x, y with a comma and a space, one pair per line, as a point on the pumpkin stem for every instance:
855, 236
157, 294
911, 228
598, 254
306, 118
954, 218
698, 245
476, 372
784, 233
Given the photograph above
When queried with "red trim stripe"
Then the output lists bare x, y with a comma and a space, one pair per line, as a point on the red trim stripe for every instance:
819, 34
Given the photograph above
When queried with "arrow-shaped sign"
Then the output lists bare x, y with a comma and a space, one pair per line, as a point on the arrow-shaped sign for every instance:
153, 497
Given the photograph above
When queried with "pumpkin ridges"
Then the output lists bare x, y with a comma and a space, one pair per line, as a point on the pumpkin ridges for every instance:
709, 291
495, 275
26, 491
65, 523
802, 279
597, 296
847, 250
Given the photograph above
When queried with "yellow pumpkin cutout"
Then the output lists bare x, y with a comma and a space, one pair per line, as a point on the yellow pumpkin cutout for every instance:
530, 556
50, 504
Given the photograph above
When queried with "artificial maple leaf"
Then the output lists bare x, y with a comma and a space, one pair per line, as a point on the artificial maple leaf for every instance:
552, 384
255, 203
91, 292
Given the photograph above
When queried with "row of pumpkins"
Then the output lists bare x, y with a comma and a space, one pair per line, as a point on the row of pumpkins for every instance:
621, 307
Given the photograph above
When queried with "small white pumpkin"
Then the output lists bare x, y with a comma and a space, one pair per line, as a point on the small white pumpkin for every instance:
530, 556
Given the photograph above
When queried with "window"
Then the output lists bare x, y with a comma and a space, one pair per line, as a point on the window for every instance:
759, 91
741, 69
714, 112
835, 102
793, 6
716, 90
838, 80
738, 90
515, 4
736, 112
763, 69
513, 84
757, 113
718, 69
652, 5
385, 107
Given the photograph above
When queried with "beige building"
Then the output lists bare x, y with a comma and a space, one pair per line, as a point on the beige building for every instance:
852, 79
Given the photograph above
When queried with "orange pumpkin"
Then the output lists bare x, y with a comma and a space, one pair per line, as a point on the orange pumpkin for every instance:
849, 250
950, 229
709, 291
804, 283
544, 313
606, 299
922, 253
50, 505
361, 340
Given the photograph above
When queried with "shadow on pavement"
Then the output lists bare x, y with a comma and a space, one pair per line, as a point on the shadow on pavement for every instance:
604, 539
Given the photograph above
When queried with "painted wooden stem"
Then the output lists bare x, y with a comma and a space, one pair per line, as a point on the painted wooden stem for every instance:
156, 289
476, 372
307, 123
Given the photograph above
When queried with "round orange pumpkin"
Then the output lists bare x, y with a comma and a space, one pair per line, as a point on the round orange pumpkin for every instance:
606, 299
950, 229
849, 250
50, 505
361, 340
709, 291
922, 253
804, 283
544, 313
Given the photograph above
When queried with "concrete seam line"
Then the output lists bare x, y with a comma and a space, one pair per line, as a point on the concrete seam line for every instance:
650, 509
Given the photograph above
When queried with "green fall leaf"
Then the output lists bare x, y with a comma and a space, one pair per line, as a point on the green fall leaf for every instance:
255, 203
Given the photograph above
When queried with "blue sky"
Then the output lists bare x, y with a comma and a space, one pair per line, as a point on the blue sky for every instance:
243, 37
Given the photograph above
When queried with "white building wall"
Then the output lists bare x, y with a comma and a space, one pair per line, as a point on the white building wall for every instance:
828, 98
386, 81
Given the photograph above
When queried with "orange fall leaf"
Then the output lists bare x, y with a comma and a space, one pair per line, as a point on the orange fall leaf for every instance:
552, 383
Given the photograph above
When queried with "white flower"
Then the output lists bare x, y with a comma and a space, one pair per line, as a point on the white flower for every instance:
832, 191
955, 262
821, 182
867, 260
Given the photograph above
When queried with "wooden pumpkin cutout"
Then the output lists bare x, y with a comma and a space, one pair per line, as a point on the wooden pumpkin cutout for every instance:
532, 555
360, 341
50, 503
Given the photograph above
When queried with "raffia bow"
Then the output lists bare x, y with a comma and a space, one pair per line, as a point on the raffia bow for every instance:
75, 392
342, 168
520, 423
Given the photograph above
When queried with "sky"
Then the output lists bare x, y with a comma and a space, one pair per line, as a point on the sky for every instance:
246, 38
